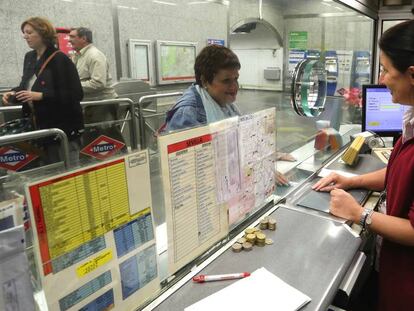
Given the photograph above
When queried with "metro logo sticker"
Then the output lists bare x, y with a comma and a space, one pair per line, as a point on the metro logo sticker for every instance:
103, 147
14, 159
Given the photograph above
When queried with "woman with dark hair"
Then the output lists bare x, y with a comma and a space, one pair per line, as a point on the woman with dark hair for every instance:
50, 90
394, 222
212, 96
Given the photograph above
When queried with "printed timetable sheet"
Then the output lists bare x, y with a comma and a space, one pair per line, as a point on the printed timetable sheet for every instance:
94, 236
213, 176
195, 220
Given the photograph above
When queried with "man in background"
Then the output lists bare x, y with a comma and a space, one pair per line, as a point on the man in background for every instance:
93, 69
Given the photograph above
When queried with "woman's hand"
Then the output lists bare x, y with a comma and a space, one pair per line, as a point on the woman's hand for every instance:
282, 156
281, 180
29, 96
332, 181
6, 97
345, 206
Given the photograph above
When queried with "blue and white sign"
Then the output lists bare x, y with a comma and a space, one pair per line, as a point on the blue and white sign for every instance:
215, 41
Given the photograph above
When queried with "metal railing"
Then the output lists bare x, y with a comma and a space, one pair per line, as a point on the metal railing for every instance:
64, 145
123, 102
141, 110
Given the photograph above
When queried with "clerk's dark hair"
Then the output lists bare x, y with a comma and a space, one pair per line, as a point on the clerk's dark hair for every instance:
398, 44
43, 27
211, 59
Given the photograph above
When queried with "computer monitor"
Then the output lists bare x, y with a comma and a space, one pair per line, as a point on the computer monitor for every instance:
379, 114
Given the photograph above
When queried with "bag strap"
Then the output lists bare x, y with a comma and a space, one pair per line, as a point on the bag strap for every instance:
47, 62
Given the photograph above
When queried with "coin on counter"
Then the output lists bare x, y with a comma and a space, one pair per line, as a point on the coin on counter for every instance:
272, 224
241, 240
249, 231
251, 238
247, 246
264, 224
236, 247
261, 237
269, 241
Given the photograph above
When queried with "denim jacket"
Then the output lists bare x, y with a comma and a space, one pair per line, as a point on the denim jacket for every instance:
187, 112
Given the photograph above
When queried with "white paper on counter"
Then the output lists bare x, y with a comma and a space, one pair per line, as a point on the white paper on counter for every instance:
244, 294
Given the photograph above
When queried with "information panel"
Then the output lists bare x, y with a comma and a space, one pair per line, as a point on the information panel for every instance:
175, 61
213, 176
94, 235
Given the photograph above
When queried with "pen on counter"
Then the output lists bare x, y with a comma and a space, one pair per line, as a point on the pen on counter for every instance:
219, 277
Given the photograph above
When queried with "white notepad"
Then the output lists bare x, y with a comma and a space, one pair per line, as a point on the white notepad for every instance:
261, 291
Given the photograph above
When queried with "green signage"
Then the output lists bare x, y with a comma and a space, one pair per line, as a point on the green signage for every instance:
298, 40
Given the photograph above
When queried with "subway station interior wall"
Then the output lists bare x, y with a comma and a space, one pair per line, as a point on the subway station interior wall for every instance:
344, 33
254, 62
147, 20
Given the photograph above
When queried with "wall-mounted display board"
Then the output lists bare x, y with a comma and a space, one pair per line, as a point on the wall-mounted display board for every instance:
175, 61
94, 240
214, 177
140, 60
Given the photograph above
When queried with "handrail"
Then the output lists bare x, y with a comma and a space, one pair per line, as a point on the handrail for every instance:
147, 98
13, 138
127, 101
12, 108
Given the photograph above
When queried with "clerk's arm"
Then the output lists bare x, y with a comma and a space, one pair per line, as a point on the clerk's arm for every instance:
392, 228
399, 230
372, 181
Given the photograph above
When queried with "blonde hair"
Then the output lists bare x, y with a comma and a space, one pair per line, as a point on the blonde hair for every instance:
44, 27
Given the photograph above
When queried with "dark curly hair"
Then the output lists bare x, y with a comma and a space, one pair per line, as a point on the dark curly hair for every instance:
211, 59
44, 27
398, 44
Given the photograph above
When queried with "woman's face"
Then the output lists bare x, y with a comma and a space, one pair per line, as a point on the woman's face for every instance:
33, 38
224, 86
400, 84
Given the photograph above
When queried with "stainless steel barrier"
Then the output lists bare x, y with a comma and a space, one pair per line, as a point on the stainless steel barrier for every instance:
15, 108
123, 102
141, 117
14, 138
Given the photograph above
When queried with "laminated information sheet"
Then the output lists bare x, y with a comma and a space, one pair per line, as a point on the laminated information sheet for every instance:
213, 176
94, 236
195, 220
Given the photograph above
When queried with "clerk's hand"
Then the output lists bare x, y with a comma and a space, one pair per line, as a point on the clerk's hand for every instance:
344, 205
29, 96
332, 181
6, 97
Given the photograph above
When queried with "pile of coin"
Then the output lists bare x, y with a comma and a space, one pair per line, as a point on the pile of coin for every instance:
255, 236
268, 223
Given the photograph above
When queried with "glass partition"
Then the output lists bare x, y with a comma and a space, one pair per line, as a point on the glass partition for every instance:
270, 38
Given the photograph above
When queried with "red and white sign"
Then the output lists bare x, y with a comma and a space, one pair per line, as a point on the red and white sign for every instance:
14, 159
63, 41
103, 147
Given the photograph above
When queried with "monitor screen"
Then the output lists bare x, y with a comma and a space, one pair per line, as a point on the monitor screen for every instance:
379, 114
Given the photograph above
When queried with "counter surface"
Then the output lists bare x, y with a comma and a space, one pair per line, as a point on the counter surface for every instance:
310, 253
